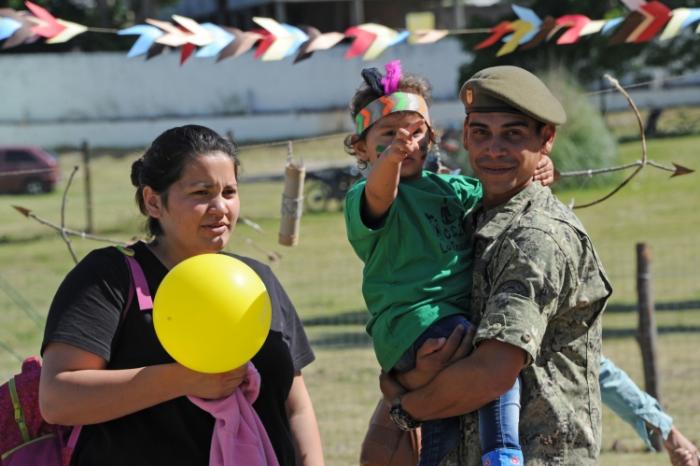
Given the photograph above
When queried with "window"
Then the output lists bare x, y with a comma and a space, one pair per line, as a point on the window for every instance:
17, 157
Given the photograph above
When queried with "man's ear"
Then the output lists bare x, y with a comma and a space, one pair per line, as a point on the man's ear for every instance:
465, 132
549, 133
153, 202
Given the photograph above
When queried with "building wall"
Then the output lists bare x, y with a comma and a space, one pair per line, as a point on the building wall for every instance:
61, 99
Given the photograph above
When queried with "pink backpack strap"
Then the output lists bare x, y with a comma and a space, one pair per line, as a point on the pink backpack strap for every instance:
138, 286
70, 445
143, 294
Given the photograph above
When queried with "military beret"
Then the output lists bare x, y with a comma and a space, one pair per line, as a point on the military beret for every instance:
511, 89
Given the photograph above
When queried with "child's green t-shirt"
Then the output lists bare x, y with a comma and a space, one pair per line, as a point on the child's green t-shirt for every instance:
418, 263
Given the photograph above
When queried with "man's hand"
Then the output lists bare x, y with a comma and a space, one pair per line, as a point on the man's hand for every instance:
545, 173
436, 354
681, 451
390, 387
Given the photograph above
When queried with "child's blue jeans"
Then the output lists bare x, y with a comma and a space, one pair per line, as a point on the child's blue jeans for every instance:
498, 420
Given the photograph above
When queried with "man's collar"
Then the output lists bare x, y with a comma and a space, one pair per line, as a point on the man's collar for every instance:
490, 223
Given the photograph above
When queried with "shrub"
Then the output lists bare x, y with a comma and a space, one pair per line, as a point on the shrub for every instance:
584, 141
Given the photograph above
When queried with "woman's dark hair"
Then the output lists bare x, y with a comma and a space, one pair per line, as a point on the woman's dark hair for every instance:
163, 163
365, 94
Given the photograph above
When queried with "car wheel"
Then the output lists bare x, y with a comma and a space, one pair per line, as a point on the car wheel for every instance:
33, 187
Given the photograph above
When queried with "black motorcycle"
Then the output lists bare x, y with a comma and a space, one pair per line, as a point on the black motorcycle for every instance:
328, 184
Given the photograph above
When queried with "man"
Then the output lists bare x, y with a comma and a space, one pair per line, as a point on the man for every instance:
538, 293
514, 91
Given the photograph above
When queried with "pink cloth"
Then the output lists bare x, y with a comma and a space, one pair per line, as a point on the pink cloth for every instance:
239, 437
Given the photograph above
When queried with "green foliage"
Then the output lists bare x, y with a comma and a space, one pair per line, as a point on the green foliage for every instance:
584, 141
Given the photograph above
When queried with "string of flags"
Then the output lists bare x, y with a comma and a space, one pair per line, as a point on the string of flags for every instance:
274, 41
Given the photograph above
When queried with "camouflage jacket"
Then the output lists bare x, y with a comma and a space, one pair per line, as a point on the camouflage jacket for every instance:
538, 285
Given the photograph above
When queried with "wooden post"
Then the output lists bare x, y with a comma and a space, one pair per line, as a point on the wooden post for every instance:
85, 148
458, 13
647, 329
357, 12
292, 199
280, 11
603, 101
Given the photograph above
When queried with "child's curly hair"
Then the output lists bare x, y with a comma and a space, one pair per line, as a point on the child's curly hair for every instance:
410, 83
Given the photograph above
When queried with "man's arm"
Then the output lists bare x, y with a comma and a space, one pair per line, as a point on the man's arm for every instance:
469, 383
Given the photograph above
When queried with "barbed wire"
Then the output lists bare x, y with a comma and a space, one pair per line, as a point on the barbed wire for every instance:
21, 302
644, 83
285, 142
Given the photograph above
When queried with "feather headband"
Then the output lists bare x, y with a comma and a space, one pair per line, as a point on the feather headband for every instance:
390, 101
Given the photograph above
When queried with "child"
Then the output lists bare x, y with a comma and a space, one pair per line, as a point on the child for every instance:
405, 224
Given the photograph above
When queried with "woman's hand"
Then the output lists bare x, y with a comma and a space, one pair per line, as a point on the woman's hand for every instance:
545, 172
213, 386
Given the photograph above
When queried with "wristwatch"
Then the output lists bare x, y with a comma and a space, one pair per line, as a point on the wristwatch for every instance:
401, 418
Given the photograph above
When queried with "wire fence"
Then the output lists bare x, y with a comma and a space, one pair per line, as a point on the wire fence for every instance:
676, 281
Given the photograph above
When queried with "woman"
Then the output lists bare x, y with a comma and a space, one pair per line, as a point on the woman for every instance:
116, 379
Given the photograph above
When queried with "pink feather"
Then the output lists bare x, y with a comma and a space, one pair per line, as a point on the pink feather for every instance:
392, 77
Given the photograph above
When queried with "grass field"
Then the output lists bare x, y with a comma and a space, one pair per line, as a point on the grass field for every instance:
322, 277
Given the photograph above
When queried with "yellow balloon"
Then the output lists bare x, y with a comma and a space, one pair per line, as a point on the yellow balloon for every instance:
212, 313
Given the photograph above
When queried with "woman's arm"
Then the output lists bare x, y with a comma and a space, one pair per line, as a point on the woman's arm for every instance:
77, 389
302, 421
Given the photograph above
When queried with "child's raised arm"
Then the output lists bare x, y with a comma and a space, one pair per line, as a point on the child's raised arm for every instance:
383, 181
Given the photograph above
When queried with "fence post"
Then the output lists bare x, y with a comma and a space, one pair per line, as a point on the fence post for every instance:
647, 329
85, 149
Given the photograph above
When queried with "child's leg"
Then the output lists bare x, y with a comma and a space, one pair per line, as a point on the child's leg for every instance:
440, 436
498, 428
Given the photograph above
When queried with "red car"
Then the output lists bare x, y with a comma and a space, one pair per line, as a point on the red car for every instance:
27, 169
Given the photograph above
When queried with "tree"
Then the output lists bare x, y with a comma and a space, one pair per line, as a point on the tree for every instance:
591, 56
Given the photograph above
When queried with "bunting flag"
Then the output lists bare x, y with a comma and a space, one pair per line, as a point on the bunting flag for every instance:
275, 41
220, 38
371, 39
317, 41
147, 37
520, 28
22, 35
8, 26
284, 40
54, 30
575, 24
46, 24
242, 42
681, 18
527, 15
497, 33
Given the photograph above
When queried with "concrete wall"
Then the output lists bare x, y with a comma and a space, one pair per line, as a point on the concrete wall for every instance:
61, 99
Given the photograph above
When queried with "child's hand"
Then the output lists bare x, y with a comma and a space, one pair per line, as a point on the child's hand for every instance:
545, 173
404, 143
436, 354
